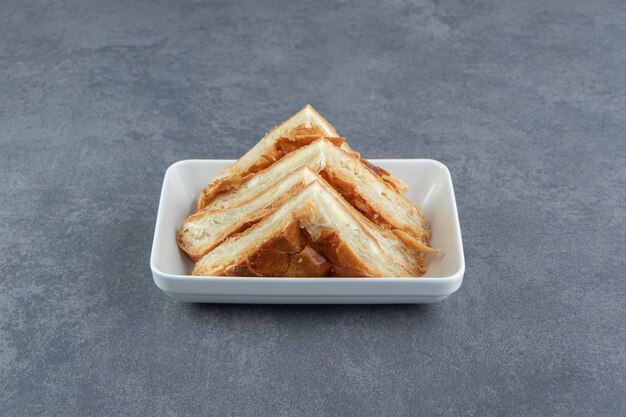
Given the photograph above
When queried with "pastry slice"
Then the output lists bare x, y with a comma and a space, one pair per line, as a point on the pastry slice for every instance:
314, 233
299, 130
353, 179
204, 230
306, 124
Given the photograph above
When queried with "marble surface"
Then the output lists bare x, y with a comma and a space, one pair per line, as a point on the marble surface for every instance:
524, 101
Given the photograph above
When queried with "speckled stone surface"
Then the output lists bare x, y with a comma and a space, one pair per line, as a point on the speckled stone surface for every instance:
524, 101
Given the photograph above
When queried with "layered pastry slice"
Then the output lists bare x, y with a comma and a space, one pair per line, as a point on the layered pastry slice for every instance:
314, 233
354, 180
305, 125
299, 130
204, 230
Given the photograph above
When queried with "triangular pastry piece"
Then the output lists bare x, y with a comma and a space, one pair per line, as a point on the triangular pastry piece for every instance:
306, 123
204, 230
314, 233
299, 130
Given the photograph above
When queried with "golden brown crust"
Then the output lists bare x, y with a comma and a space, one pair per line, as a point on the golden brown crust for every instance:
344, 260
297, 264
217, 187
414, 244
288, 144
396, 183
331, 245
348, 191
285, 255
303, 130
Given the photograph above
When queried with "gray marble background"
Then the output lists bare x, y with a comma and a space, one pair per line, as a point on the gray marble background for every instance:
524, 101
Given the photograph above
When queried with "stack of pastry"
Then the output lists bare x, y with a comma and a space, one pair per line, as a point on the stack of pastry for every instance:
302, 203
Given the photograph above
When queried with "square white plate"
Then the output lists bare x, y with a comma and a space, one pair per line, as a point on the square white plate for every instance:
430, 186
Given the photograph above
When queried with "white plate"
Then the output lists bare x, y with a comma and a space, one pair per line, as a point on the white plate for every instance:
430, 186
